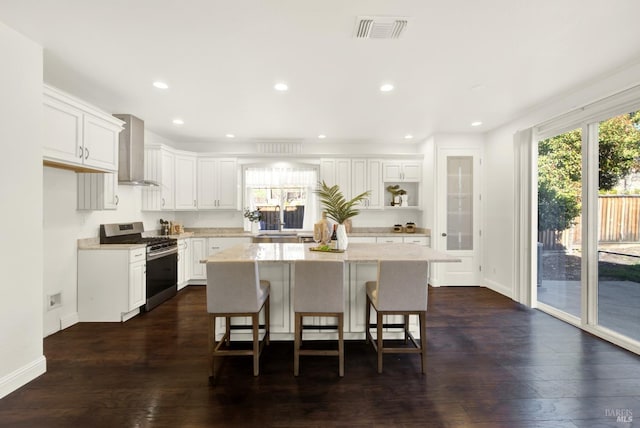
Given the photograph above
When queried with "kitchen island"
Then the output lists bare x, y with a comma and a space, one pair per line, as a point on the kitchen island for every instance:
276, 265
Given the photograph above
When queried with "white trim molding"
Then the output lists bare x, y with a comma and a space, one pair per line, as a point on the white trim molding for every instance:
22, 376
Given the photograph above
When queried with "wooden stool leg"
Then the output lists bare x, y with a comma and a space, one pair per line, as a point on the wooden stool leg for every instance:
406, 328
227, 331
379, 340
296, 344
341, 343
423, 340
255, 318
212, 344
366, 320
267, 321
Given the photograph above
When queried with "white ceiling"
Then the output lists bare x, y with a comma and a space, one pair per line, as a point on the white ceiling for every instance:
458, 61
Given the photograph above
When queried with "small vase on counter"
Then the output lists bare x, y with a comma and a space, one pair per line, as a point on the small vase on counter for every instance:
343, 240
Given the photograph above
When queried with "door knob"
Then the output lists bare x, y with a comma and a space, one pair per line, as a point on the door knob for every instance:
444, 234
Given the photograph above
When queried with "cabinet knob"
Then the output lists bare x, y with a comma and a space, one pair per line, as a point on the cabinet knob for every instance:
86, 153
80, 152
117, 199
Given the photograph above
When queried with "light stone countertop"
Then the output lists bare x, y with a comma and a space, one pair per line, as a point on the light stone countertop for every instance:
355, 253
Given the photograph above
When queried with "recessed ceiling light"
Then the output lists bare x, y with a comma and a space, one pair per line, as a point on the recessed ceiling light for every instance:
386, 87
476, 123
178, 122
281, 87
160, 85
230, 135
322, 136
408, 137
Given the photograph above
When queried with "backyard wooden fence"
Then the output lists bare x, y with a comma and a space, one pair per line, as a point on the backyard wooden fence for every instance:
619, 223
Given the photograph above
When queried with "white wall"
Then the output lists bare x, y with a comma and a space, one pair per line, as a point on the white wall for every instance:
21, 357
64, 225
499, 176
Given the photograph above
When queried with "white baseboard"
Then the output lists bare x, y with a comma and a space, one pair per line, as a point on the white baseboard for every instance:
69, 320
22, 376
498, 288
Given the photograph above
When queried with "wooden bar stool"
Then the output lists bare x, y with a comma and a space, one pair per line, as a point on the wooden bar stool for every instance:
234, 289
318, 291
401, 289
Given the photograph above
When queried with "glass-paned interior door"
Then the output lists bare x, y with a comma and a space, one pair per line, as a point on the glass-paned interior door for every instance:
457, 217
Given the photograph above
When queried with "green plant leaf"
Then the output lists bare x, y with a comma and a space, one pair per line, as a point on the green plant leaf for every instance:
336, 205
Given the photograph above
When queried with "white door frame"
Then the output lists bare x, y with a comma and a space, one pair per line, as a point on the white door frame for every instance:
451, 274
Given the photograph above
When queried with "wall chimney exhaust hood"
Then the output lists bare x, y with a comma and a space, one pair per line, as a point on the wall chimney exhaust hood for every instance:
131, 152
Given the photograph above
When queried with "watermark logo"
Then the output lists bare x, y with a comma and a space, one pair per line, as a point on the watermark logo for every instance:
621, 415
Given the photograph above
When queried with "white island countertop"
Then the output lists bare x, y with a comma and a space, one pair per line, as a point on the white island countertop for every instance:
356, 252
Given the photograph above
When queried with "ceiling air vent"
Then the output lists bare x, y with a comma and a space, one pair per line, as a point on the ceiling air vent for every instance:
380, 27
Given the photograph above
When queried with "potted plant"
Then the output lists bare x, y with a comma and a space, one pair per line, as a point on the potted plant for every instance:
398, 195
254, 216
339, 209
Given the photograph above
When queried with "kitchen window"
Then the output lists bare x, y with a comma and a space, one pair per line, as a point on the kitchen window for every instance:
284, 194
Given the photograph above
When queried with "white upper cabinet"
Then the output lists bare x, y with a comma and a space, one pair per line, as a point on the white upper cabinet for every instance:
217, 184
159, 167
185, 182
167, 185
78, 136
366, 175
98, 191
337, 171
399, 171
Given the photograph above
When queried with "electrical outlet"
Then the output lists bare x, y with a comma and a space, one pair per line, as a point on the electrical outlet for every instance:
54, 301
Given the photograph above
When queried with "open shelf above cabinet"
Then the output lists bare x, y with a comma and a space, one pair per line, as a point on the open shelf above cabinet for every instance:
412, 195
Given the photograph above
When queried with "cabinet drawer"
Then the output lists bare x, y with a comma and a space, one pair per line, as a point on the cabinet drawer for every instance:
137, 255
419, 240
389, 239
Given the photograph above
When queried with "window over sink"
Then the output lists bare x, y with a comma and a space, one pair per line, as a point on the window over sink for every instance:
284, 194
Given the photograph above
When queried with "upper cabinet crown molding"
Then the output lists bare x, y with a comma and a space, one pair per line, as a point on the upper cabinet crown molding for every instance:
78, 136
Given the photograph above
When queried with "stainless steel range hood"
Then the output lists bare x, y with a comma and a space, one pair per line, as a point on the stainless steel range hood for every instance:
131, 152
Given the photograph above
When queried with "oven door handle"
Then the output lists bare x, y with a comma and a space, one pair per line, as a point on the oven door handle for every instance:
154, 256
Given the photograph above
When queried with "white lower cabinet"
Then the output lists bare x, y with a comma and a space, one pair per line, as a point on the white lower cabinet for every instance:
198, 253
201, 248
111, 284
184, 262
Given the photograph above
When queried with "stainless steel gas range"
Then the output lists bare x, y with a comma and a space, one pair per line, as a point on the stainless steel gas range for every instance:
161, 260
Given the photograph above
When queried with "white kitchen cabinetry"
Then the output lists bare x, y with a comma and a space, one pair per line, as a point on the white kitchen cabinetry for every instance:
366, 175
389, 239
98, 191
198, 253
111, 284
159, 167
201, 248
78, 136
185, 182
337, 171
217, 184
424, 241
401, 171
184, 262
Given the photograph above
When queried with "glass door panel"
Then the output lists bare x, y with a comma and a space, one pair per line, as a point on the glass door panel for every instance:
559, 218
619, 224
459, 203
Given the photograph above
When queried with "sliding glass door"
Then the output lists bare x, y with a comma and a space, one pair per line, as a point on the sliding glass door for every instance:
618, 264
589, 226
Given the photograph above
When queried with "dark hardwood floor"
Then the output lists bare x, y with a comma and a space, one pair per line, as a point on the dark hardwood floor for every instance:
491, 363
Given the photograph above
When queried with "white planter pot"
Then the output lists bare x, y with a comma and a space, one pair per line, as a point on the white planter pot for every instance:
404, 200
255, 227
343, 241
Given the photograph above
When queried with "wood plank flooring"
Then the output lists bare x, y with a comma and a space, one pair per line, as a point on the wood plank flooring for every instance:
491, 363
